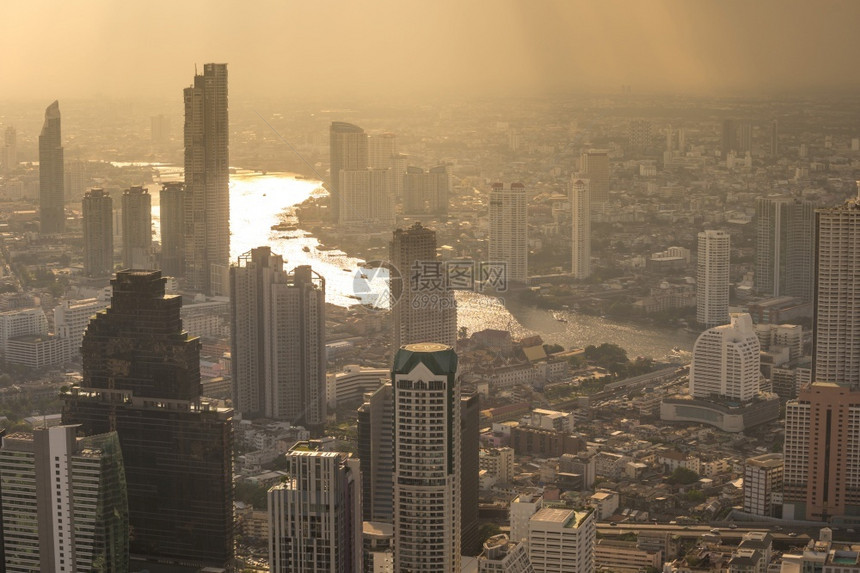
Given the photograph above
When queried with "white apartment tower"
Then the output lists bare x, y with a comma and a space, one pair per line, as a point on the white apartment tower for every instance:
426, 459
278, 340
365, 197
726, 361
712, 278
561, 540
836, 331
315, 513
580, 200
21, 322
509, 237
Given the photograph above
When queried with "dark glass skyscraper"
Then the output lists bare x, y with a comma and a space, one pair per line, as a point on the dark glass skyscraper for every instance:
141, 378
51, 177
207, 182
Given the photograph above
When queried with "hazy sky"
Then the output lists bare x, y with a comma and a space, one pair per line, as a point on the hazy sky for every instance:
375, 47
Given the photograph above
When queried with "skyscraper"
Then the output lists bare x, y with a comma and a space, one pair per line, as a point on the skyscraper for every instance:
315, 513
423, 309
141, 377
594, 167
64, 502
52, 216
9, 157
207, 182
639, 134
365, 197
380, 150
136, 229
426, 192
375, 429
426, 459
348, 149
470, 439
580, 201
821, 479
278, 339
728, 140
97, 207
509, 238
774, 138
725, 362
836, 324
763, 485
785, 247
712, 278
172, 217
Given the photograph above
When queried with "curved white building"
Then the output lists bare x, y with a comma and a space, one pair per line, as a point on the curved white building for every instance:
726, 361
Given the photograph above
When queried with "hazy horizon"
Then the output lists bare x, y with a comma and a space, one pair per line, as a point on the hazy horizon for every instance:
336, 51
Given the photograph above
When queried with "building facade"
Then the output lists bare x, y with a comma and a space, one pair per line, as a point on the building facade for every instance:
785, 247
508, 235
141, 378
426, 192
137, 229
348, 149
594, 167
207, 182
561, 540
712, 278
763, 485
278, 340
580, 201
52, 216
315, 513
426, 459
836, 319
423, 309
172, 220
64, 502
98, 233
726, 361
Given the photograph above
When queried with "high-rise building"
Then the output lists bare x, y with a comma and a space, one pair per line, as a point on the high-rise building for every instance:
774, 138
822, 473
712, 278
594, 167
172, 218
785, 247
426, 459
562, 539
380, 150
315, 513
21, 322
726, 362
470, 467
365, 197
64, 502
71, 319
501, 555
98, 233
728, 141
159, 128
74, 181
836, 324
522, 508
278, 340
141, 378
509, 237
52, 216
423, 309
763, 485
9, 157
207, 182
375, 429
744, 137
399, 165
426, 192
348, 150
136, 229
639, 135
580, 201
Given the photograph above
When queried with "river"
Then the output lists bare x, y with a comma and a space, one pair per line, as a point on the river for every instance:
259, 201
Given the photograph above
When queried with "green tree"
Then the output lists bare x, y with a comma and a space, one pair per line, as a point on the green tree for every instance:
683, 476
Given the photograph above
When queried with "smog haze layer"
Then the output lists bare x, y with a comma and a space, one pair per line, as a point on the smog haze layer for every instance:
330, 50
